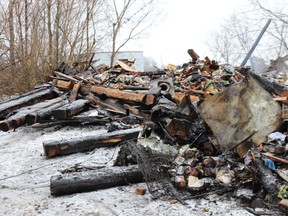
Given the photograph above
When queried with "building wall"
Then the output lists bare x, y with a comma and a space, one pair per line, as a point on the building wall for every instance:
104, 58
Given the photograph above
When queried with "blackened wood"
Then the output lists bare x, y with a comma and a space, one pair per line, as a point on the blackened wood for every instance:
68, 110
264, 82
94, 180
21, 96
108, 104
150, 97
82, 144
135, 88
116, 93
19, 118
74, 92
44, 114
26, 100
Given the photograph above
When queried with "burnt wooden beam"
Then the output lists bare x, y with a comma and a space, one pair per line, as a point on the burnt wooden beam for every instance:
92, 180
20, 117
82, 144
70, 109
104, 103
116, 93
26, 100
44, 114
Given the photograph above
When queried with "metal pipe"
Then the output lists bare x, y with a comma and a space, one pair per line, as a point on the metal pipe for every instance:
255, 43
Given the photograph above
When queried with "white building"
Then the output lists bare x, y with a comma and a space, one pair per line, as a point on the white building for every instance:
104, 58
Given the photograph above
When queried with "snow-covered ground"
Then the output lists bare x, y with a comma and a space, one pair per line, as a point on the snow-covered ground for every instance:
25, 180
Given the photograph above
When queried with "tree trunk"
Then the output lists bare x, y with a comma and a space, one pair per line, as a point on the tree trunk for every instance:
57, 33
49, 26
11, 34
94, 180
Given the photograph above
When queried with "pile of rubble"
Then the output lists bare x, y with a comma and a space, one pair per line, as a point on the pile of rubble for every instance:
191, 129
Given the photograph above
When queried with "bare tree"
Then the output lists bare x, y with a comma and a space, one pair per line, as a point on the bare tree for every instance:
232, 42
11, 33
36, 32
129, 19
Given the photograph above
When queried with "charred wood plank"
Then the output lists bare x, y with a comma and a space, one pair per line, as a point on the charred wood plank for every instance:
94, 180
21, 96
150, 73
19, 118
83, 144
104, 103
26, 100
68, 110
72, 121
116, 93
74, 92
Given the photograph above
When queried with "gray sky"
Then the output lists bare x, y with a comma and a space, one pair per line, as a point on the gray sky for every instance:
188, 24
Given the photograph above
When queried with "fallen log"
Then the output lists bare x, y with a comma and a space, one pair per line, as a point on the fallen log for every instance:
83, 144
29, 99
68, 110
20, 117
94, 180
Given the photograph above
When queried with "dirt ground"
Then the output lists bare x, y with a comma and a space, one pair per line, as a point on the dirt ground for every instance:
25, 180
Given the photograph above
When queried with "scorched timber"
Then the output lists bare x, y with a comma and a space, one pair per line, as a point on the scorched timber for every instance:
83, 144
68, 110
29, 99
94, 180
44, 114
20, 117
116, 93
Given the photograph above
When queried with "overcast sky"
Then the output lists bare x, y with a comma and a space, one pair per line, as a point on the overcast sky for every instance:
187, 24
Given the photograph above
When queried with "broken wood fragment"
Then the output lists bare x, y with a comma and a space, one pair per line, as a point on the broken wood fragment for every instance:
82, 144
94, 180
64, 85
74, 91
150, 97
68, 110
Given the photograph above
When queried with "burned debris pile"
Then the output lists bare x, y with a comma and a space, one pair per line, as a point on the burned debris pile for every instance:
186, 130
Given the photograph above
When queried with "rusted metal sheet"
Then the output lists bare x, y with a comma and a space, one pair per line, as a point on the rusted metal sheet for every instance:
240, 111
